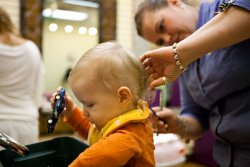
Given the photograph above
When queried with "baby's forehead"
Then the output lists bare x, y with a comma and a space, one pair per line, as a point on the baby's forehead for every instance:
84, 80
88, 64
85, 72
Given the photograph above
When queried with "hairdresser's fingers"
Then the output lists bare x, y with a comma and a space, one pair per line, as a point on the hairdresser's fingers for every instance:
155, 130
150, 70
166, 114
145, 56
161, 123
157, 82
163, 129
153, 77
147, 63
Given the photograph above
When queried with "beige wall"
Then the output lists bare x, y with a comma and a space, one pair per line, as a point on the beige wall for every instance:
61, 50
124, 23
125, 27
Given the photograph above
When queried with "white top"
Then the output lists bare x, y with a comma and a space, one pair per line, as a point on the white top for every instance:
21, 81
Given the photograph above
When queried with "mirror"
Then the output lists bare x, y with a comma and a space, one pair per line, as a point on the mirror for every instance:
70, 27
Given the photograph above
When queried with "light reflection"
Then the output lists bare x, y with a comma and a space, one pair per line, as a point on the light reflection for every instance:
53, 27
92, 31
82, 30
65, 14
68, 28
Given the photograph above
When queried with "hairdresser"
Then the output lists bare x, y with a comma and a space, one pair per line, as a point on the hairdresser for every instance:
209, 51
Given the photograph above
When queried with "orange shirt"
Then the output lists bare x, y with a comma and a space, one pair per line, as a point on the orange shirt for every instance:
130, 145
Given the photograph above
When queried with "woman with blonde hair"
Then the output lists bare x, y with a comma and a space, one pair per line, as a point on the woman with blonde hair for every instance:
21, 84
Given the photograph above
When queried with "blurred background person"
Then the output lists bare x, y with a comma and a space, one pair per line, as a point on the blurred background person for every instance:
21, 84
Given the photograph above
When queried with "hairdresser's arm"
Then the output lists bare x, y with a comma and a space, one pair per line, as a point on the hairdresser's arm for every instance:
225, 29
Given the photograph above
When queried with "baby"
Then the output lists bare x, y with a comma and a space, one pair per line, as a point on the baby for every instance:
111, 84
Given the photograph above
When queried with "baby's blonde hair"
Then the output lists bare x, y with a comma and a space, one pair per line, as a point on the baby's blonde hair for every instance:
115, 66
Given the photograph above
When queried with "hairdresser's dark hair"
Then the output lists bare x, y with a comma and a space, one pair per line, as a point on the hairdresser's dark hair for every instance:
151, 6
147, 5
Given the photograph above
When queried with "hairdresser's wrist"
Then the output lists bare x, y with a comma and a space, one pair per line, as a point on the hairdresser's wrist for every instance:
189, 128
178, 61
182, 129
187, 53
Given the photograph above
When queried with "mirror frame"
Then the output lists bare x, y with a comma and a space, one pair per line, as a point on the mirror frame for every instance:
31, 20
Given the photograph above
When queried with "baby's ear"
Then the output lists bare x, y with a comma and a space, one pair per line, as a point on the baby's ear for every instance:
124, 94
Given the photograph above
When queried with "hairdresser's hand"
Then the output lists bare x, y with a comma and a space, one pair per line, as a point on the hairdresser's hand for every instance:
166, 121
69, 103
160, 62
